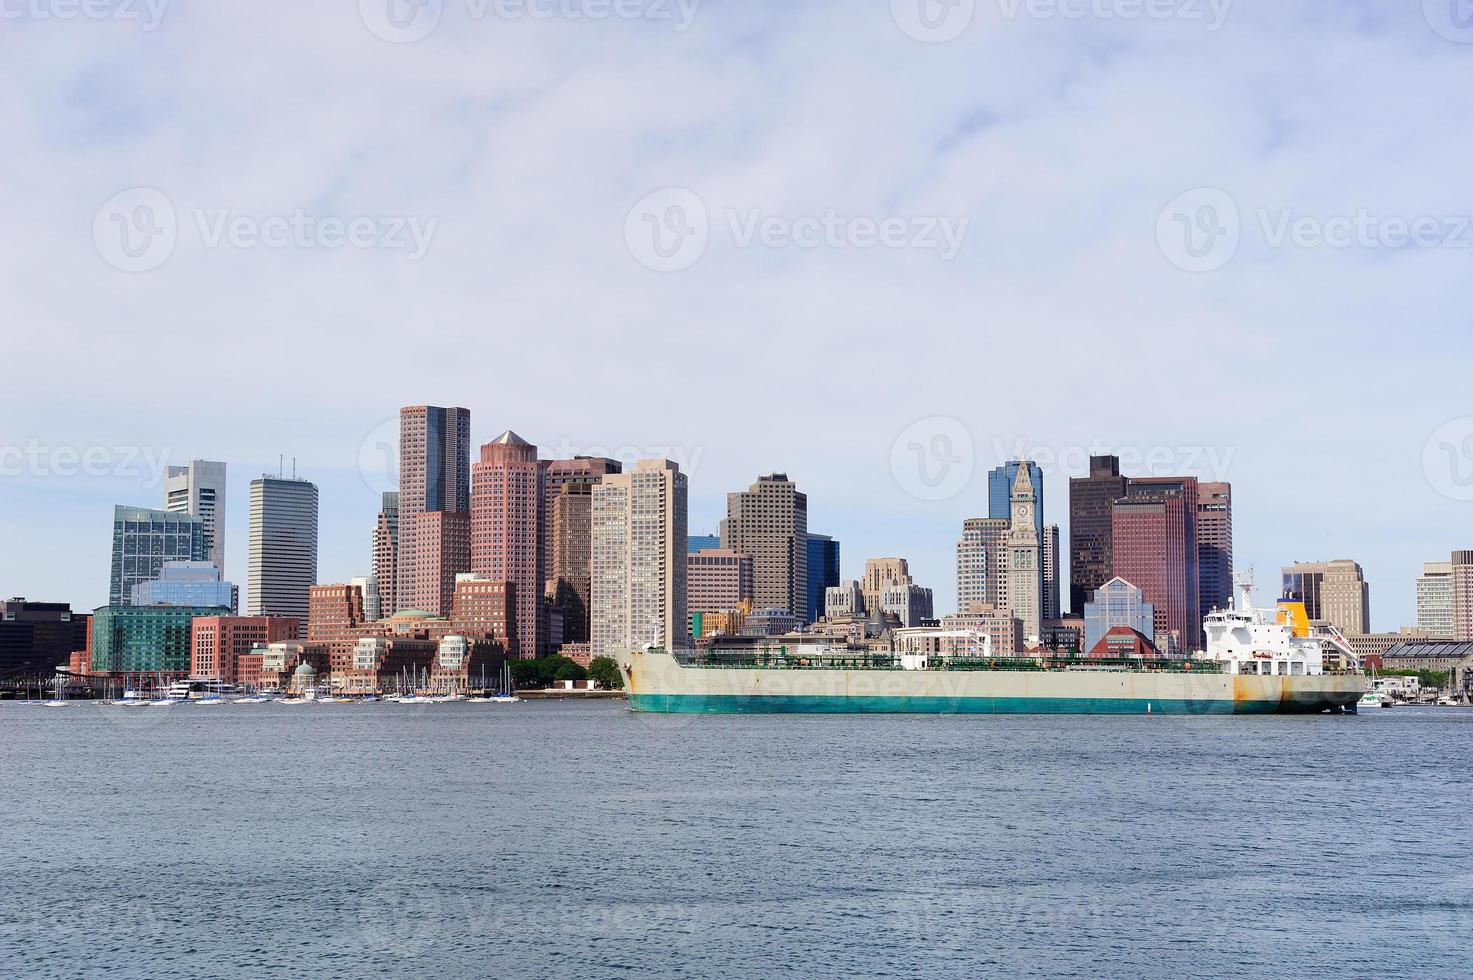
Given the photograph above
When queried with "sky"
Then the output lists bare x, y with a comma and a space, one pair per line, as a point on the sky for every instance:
879, 246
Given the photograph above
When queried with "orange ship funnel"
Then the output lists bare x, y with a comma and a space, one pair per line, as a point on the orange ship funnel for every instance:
1291, 613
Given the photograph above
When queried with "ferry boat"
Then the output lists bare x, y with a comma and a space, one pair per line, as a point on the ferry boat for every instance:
1256, 661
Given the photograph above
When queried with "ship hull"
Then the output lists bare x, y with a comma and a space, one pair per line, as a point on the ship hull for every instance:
657, 683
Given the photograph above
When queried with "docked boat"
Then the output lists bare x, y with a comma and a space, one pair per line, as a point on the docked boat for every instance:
1256, 661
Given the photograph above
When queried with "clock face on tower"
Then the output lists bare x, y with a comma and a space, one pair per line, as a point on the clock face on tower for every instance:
1019, 510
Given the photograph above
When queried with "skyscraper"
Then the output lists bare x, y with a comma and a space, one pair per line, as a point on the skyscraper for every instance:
198, 489
1051, 593
1435, 600
1462, 569
980, 562
281, 566
717, 580
879, 573
386, 552
639, 555
1151, 549
1090, 528
823, 571
1025, 574
567, 536
434, 476
1000, 483
1151, 487
143, 540
1215, 545
506, 517
769, 521
1334, 592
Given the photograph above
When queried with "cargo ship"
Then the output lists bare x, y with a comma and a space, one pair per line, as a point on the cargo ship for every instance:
1256, 661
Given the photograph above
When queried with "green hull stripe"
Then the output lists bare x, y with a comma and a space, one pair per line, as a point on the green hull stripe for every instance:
800, 704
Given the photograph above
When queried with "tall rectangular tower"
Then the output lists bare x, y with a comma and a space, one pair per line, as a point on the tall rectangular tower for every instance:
1090, 528
281, 567
1152, 551
1051, 595
506, 518
143, 540
1025, 574
639, 555
1215, 545
198, 489
1435, 600
566, 536
823, 572
434, 475
769, 521
386, 552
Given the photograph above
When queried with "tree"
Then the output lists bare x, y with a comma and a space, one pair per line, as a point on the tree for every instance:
525, 673
570, 670
604, 672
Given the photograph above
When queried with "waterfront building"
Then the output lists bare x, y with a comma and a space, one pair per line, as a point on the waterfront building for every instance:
639, 553
1052, 596
1435, 600
1117, 603
1025, 566
506, 518
333, 610
717, 579
769, 521
218, 642
1333, 592
37, 637
1002, 481
144, 639
434, 476
880, 573
567, 538
198, 489
844, 601
1091, 526
1462, 569
823, 571
372, 601
1368, 646
485, 607
143, 540
186, 583
386, 553
1152, 547
1215, 546
703, 542
1456, 659
1122, 643
911, 604
281, 564
442, 550
1005, 630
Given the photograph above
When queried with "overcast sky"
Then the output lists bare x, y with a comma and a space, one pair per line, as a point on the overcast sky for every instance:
879, 246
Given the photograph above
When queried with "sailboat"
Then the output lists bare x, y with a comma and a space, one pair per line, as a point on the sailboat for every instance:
59, 701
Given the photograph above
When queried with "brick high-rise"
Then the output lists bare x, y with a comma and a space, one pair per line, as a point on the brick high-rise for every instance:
1215, 545
1090, 528
567, 536
1152, 549
434, 476
1186, 487
506, 517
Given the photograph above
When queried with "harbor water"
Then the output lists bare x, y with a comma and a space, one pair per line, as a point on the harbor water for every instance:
578, 839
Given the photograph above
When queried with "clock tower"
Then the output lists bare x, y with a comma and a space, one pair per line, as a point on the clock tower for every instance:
1025, 573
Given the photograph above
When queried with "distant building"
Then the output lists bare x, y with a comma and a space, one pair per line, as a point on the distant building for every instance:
434, 476
1091, 528
144, 639
639, 559
843, 601
769, 622
879, 573
506, 515
911, 604
1122, 643
567, 520
485, 606
717, 579
1002, 481
1117, 603
332, 610
703, 542
143, 540
186, 583
1462, 569
218, 642
282, 561
1025, 563
198, 489
386, 553
442, 550
1435, 600
769, 521
37, 637
1052, 594
981, 562
1215, 545
372, 600
1152, 549
1004, 628
1334, 592
823, 571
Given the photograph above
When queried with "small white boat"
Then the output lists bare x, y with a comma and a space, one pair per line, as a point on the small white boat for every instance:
164, 702
55, 703
211, 700
415, 699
